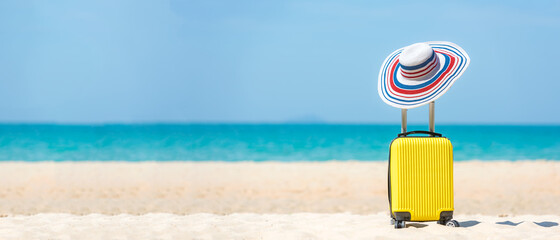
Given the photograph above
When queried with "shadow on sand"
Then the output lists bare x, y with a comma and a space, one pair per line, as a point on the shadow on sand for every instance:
416, 225
468, 223
510, 223
546, 224
542, 224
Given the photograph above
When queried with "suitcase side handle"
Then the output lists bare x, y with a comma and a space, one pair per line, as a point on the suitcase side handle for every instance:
433, 134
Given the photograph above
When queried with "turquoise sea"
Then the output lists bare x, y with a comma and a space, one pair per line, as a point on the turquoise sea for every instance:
261, 142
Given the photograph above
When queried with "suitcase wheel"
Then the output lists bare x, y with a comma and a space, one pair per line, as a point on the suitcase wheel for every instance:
449, 223
400, 224
452, 223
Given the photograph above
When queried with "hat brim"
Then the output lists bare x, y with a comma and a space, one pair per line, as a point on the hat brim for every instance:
401, 93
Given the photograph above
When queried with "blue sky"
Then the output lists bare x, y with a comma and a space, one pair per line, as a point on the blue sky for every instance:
268, 61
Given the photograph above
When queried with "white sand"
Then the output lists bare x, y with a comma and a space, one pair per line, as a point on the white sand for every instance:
270, 226
489, 188
343, 200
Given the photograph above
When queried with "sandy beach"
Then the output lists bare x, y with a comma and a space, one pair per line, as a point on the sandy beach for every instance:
248, 200
270, 226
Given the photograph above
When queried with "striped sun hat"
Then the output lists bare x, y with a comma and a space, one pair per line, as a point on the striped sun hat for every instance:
420, 73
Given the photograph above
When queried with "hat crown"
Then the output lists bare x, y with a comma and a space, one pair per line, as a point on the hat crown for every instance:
416, 54
418, 62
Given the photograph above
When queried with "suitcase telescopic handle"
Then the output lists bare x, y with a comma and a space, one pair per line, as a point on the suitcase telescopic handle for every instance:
433, 134
403, 118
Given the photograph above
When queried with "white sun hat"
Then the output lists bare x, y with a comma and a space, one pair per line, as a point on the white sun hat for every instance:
420, 73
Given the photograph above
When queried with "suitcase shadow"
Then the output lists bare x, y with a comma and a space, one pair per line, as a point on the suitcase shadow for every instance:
467, 224
417, 225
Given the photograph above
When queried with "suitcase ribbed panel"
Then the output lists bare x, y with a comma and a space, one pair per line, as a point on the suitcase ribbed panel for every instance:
421, 171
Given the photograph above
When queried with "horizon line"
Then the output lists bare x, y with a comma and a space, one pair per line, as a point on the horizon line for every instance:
271, 123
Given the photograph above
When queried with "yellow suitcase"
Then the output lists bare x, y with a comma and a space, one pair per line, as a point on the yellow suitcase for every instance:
420, 177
